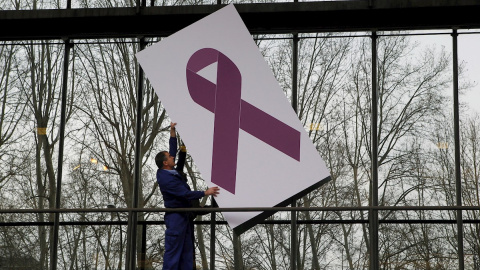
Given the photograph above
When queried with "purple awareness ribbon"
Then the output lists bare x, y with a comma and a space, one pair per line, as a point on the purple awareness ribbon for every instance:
232, 114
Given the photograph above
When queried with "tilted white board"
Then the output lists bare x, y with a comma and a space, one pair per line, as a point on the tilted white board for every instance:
233, 116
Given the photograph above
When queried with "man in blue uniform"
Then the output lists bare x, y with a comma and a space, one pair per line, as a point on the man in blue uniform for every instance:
176, 193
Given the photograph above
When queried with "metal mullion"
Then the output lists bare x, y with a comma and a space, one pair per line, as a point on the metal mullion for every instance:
237, 255
54, 243
458, 177
293, 237
133, 216
143, 256
213, 223
373, 220
293, 221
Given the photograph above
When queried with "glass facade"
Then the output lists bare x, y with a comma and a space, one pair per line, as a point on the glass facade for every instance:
69, 134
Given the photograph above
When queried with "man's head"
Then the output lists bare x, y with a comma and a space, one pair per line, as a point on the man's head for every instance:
164, 160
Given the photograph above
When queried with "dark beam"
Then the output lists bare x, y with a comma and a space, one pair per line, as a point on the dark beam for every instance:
271, 18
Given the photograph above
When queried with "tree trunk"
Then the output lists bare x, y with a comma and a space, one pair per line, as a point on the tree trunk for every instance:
311, 234
237, 252
42, 232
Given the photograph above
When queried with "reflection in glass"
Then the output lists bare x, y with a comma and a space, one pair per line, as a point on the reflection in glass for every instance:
418, 246
469, 59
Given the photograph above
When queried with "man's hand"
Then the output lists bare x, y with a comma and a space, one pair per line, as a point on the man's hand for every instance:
212, 191
172, 130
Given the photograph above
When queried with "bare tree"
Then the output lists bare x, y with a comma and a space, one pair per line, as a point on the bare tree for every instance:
109, 84
471, 188
442, 164
12, 110
39, 82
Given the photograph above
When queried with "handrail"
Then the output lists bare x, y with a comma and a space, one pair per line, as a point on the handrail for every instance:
243, 209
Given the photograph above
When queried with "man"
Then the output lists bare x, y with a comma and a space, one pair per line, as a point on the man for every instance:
176, 193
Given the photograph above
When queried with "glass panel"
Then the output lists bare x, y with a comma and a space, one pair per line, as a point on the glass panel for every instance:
469, 61
31, 86
317, 247
334, 106
267, 247
471, 241
101, 164
92, 246
155, 242
416, 165
224, 247
334, 90
348, 248
15, 130
20, 247
418, 246
277, 52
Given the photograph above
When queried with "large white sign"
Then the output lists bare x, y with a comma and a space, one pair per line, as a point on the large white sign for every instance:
233, 116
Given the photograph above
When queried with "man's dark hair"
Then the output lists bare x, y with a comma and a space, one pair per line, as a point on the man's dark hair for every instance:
160, 158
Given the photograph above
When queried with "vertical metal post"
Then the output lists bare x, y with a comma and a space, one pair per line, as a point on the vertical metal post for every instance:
293, 221
456, 127
295, 72
293, 237
144, 247
54, 243
373, 214
213, 216
129, 241
133, 216
237, 255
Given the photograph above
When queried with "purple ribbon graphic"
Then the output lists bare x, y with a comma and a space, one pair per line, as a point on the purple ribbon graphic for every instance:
232, 114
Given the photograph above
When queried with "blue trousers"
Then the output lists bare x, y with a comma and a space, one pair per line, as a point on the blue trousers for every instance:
179, 240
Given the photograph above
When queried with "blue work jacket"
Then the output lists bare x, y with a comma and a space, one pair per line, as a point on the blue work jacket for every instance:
175, 190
